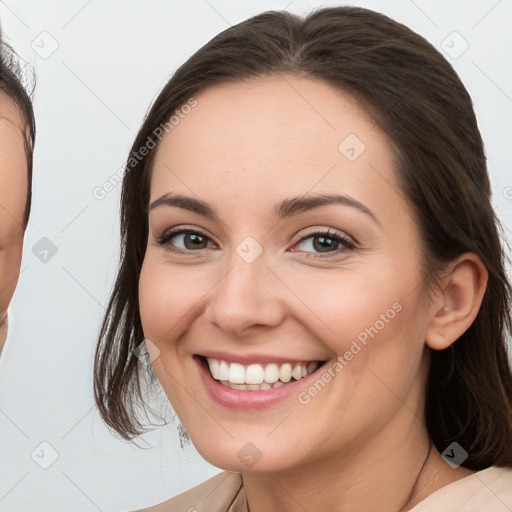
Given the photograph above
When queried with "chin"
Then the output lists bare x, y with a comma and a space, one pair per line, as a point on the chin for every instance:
244, 456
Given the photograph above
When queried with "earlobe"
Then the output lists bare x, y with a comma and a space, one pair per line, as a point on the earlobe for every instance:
458, 302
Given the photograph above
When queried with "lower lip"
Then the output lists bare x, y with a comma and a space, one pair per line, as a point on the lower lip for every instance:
243, 400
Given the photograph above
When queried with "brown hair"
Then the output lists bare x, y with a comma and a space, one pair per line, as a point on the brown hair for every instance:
11, 83
417, 99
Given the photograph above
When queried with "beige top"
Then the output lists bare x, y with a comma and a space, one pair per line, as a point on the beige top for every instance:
489, 490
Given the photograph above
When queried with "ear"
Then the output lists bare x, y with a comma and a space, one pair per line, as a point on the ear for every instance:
457, 302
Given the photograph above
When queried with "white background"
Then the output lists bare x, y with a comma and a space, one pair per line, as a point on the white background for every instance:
92, 93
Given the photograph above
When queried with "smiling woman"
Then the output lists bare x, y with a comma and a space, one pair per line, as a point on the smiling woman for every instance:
313, 263
17, 135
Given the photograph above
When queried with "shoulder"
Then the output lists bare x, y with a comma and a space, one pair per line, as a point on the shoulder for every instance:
489, 489
216, 494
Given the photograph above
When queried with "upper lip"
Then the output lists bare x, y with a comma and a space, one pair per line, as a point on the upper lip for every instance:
255, 358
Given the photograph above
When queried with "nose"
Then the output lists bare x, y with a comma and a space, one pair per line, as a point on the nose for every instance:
249, 296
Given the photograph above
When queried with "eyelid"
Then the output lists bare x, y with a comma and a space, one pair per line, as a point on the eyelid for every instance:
180, 230
346, 241
324, 230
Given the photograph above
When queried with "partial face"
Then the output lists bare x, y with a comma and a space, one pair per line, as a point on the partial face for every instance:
13, 197
309, 314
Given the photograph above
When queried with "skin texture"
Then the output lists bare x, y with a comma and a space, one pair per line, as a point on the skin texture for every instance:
13, 196
362, 439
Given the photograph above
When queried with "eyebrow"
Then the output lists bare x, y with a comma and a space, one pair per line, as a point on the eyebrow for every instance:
286, 208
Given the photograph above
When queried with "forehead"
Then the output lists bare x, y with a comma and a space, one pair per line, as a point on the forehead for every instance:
274, 136
276, 116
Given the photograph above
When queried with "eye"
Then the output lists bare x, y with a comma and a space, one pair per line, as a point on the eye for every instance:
189, 239
192, 240
326, 242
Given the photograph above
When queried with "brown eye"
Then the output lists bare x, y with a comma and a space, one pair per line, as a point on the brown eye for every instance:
184, 240
325, 242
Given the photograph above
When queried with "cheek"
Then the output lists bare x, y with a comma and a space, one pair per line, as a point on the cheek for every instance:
369, 317
169, 298
342, 305
160, 304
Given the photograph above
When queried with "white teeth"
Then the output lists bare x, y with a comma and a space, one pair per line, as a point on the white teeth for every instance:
271, 373
297, 372
285, 372
254, 374
214, 368
223, 370
236, 373
312, 367
255, 377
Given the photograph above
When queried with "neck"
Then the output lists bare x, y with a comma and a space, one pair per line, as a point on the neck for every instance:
358, 479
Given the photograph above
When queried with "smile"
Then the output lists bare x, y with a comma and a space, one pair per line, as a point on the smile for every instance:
258, 377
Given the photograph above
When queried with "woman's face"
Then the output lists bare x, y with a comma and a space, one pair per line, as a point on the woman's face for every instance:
260, 290
13, 198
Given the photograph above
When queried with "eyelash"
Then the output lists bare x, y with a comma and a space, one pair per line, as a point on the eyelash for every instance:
347, 243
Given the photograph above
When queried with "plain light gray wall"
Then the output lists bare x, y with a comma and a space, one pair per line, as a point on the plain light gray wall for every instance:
99, 65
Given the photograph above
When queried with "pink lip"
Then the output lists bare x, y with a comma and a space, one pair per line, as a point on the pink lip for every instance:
241, 400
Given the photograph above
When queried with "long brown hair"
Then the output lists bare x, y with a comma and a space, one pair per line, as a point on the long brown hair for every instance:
417, 99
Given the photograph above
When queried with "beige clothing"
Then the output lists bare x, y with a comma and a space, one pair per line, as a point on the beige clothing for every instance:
489, 490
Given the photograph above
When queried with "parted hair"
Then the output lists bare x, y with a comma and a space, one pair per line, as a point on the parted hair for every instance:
414, 95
